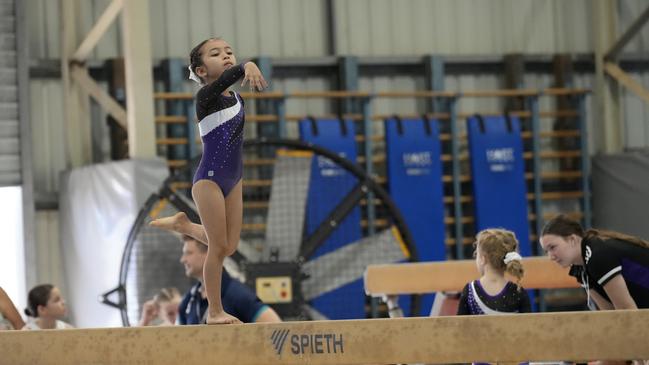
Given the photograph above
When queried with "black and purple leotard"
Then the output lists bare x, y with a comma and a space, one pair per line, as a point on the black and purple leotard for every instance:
475, 300
220, 122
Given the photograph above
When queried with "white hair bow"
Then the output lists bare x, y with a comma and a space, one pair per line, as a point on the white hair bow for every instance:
193, 76
512, 256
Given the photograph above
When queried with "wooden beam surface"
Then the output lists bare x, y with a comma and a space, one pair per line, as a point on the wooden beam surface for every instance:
430, 277
453, 339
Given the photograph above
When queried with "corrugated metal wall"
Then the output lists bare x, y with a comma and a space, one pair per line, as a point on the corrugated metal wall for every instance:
470, 27
635, 110
298, 28
48, 134
49, 259
636, 116
628, 11
277, 28
387, 27
10, 166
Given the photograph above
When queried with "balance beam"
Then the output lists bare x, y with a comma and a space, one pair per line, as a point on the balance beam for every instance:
610, 335
430, 277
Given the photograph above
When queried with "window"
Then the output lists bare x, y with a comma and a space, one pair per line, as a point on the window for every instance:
12, 254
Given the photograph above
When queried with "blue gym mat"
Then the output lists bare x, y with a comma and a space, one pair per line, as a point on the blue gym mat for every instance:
328, 186
414, 172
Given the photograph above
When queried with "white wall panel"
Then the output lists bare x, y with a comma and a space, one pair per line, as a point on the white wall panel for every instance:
628, 11
48, 134
198, 14
390, 27
360, 38
314, 25
270, 21
177, 26
291, 35
52, 20
159, 49
49, 255
85, 19
246, 40
277, 28
426, 34
636, 116
111, 43
223, 21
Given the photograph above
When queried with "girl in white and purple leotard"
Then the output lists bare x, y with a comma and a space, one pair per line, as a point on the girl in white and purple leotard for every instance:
495, 254
217, 182
221, 119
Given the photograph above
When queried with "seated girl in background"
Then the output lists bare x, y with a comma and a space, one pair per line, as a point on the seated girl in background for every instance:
162, 310
46, 306
495, 254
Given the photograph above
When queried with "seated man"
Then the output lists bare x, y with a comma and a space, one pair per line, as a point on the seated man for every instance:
238, 299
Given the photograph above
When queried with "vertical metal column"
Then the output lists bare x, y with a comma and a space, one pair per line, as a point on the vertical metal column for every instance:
280, 111
347, 80
585, 165
265, 106
114, 69
533, 102
457, 187
192, 145
434, 71
434, 78
369, 168
26, 152
174, 76
536, 156
266, 129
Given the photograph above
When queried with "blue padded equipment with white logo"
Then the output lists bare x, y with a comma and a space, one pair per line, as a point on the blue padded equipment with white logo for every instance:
498, 176
414, 172
328, 185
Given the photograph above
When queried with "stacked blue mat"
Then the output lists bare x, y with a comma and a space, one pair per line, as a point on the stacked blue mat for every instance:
414, 172
328, 185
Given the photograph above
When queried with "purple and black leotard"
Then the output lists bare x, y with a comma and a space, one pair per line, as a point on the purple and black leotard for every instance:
220, 122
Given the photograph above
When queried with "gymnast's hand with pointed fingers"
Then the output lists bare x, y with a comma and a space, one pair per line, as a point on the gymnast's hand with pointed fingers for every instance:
253, 76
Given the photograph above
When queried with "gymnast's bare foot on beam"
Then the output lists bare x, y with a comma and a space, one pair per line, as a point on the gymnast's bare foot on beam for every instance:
222, 318
178, 222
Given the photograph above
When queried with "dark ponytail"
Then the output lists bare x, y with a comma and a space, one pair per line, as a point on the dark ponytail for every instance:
39, 295
563, 226
603, 234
